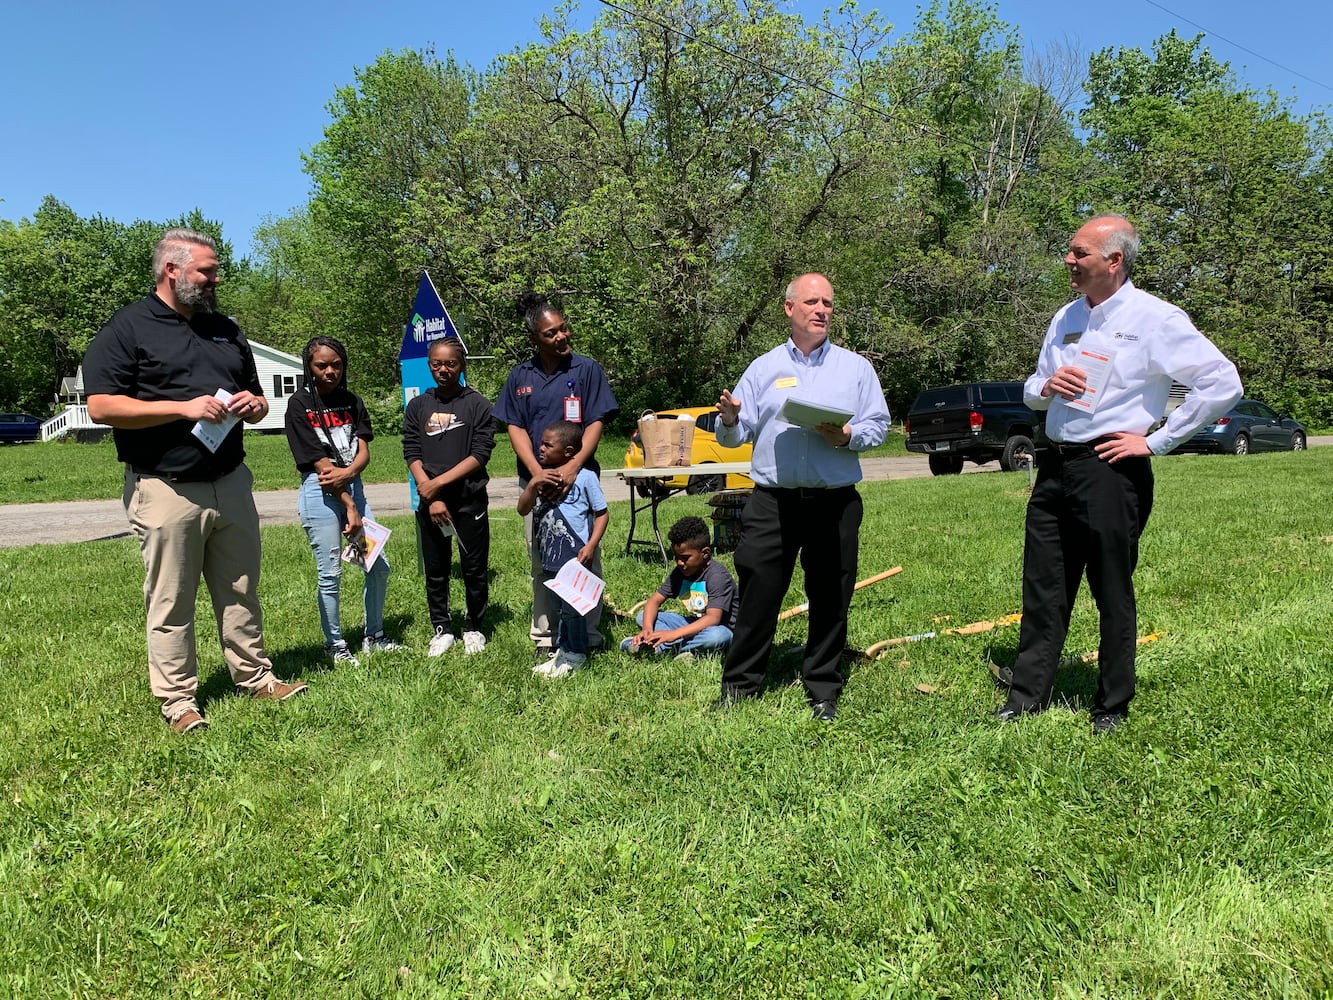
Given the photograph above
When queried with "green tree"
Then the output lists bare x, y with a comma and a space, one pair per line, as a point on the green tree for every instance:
664, 173
348, 265
639, 169
61, 278
1226, 186
948, 264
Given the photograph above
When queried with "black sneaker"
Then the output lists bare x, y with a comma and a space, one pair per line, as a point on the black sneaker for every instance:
1009, 712
1104, 725
729, 699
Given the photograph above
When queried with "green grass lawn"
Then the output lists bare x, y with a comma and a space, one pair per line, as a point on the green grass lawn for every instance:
459, 828
45, 473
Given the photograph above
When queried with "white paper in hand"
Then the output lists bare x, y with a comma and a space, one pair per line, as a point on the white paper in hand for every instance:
804, 413
1097, 366
212, 435
577, 586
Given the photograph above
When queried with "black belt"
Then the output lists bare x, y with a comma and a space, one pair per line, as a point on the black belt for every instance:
1069, 449
179, 477
804, 492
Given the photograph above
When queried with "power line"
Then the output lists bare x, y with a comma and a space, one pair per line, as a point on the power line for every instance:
1220, 37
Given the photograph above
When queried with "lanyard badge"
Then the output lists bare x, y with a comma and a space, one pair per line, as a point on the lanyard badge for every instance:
573, 406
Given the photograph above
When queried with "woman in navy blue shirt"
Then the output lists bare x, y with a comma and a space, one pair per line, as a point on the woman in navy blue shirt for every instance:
554, 384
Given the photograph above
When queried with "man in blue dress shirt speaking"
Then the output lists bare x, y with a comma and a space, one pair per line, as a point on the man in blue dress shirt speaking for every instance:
805, 500
1103, 375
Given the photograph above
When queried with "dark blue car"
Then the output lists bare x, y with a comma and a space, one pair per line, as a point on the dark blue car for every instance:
18, 427
1249, 426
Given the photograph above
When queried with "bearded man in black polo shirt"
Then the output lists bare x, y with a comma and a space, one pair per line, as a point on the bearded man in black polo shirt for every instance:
154, 373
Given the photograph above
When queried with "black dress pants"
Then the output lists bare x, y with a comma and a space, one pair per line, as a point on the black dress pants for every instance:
1084, 513
822, 526
474, 556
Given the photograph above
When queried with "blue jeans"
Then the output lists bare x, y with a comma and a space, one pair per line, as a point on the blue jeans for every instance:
713, 639
324, 518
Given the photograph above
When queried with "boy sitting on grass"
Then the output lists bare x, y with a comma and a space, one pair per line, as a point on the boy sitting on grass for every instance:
566, 526
705, 587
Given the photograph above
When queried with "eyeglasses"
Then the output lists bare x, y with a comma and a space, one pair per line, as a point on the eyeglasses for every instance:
452, 364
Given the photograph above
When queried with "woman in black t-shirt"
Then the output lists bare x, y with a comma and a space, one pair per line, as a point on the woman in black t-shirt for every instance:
328, 430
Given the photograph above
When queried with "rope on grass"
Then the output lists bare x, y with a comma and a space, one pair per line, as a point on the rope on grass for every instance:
875, 650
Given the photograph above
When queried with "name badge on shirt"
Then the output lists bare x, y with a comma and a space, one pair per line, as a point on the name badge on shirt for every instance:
1072, 338
574, 409
789, 382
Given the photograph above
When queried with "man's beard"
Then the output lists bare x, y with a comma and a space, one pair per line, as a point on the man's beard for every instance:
197, 298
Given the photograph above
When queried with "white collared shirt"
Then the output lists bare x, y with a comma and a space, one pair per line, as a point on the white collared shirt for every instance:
1153, 343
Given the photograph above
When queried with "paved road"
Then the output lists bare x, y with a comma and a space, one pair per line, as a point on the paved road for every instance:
90, 520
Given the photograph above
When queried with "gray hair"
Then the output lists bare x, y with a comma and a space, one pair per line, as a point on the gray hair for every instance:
174, 248
1123, 238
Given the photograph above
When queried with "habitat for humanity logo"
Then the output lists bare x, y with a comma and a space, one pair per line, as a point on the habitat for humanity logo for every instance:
428, 329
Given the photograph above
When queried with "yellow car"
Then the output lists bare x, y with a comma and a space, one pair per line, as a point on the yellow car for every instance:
706, 451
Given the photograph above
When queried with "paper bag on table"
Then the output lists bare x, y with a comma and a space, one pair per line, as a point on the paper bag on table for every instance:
666, 443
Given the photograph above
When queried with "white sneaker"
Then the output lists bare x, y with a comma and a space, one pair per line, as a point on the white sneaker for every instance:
380, 643
442, 641
563, 664
543, 669
473, 642
342, 654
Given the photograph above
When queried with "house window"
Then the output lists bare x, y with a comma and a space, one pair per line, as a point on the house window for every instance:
283, 385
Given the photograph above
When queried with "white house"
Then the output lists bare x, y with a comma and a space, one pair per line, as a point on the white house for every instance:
279, 375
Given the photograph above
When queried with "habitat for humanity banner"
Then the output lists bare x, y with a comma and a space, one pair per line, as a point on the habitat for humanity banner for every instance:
428, 323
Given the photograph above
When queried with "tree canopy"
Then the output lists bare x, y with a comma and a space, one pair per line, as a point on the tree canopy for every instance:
665, 172
61, 278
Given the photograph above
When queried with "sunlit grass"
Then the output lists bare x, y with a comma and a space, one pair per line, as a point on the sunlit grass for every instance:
458, 828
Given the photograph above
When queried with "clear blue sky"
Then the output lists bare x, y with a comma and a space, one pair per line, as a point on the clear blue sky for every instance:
140, 110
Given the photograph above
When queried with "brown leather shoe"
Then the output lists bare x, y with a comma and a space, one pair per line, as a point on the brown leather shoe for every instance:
189, 720
276, 690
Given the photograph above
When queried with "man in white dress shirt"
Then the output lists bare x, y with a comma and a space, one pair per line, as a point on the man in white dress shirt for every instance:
1103, 375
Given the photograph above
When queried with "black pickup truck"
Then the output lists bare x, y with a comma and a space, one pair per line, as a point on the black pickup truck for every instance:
975, 422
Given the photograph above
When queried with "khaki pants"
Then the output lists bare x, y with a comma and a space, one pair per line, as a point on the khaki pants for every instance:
185, 531
545, 606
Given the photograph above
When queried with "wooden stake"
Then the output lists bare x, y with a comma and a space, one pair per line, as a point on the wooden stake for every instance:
801, 609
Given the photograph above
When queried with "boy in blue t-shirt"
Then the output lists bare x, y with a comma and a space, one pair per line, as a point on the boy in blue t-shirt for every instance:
568, 527
705, 587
